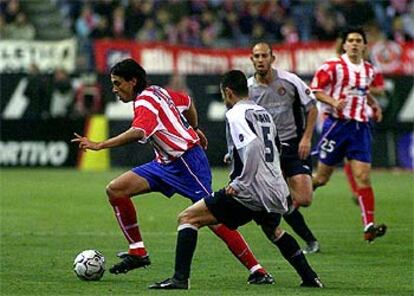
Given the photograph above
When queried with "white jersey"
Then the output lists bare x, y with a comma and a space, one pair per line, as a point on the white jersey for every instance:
256, 176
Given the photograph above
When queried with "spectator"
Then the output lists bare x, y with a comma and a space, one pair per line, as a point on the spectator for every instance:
102, 29
86, 22
104, 8
290, 32
134, 18
62, 94
324, 27
398, 33
88, 96
148, 32
84, 25
11, 11
408, 21
301, 12
20, 29
118, 22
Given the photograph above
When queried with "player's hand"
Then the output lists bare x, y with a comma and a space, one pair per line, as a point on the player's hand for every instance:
203, 139
85, 143
340, 104
227, 159
377, 116
304, 148
230, 191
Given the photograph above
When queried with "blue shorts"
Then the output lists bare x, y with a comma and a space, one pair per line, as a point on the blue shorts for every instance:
188, 175
344, 138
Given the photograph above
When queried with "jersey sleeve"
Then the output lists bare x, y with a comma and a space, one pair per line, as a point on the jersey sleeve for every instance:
306, 96
239, 130
378, 80
321, 78
145, 118
181, 100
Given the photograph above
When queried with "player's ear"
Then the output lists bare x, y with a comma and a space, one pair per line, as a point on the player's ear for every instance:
228, 92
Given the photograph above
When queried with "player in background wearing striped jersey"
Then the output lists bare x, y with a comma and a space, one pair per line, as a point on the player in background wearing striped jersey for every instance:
377, 89
293, 108
257, 190
343, 85
168, 120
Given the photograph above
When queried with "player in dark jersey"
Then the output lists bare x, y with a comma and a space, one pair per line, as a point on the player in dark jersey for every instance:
257, 190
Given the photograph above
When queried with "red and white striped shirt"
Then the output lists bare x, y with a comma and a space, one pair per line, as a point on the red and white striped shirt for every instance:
344, 80
157, 112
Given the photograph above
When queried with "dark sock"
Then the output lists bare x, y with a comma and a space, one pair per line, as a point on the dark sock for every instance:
186, 244
290, 250
297, 222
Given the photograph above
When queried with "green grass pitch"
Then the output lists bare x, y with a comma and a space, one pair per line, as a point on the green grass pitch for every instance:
48, 216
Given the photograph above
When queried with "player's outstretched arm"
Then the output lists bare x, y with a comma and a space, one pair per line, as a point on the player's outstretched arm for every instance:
126, 137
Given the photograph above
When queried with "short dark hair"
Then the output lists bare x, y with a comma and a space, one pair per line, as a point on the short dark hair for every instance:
236, 81
351, 30
129, 69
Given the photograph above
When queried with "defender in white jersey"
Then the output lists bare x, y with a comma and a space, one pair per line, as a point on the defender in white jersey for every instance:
343, 85
257, 190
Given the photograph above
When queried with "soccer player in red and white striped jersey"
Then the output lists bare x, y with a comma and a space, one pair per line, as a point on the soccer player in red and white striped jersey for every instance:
157, 112
343, 85
377, 88
168, 120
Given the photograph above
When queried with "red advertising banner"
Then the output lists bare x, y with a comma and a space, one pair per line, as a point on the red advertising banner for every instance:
301, 58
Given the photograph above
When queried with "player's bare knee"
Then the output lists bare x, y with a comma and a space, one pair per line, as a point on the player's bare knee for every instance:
306, 202
112, 192
363, 179
320, 180
185, 217
304, 199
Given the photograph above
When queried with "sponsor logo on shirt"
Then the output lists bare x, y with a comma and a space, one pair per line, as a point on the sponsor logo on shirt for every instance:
281, 91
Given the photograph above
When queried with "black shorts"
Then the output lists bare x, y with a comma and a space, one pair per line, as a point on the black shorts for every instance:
233, 214
290, 162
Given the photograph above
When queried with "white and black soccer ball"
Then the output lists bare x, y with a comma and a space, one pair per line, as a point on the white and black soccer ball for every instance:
89, 265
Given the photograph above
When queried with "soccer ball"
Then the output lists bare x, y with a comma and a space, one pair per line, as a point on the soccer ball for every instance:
89, 265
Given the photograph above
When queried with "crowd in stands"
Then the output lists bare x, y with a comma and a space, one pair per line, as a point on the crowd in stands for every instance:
217, 23
229, 23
